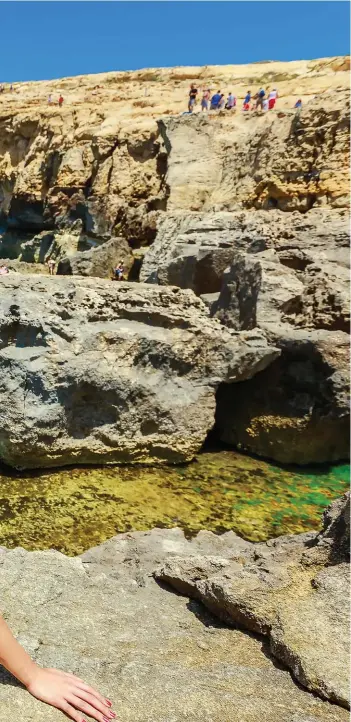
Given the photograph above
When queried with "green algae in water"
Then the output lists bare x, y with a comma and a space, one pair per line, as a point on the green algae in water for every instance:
74, 509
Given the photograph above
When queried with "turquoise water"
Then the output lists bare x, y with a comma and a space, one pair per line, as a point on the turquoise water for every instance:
74, 509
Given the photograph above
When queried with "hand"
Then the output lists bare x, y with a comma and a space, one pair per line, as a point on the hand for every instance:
69, 694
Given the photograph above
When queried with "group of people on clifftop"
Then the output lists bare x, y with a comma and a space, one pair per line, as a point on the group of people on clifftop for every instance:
261, 100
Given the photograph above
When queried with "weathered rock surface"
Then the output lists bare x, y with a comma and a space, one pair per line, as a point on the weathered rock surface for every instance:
99, 261
119, 160
291, 590
268, 164
296, 270
297, 410
111, 371
104, 160
289, 277
157, 655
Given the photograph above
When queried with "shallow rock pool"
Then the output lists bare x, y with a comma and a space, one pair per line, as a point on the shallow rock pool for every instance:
76, 508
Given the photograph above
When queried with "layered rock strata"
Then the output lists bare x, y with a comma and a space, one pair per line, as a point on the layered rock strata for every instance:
247, 210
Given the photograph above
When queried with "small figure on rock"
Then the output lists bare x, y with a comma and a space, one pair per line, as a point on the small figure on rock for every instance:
118, 272
60, 102
215, 100
205, 99
192, 97
231, 101
3, 269
49, 99
272, 98
247, 99
51, 266
259, 98
221, 104
298, 104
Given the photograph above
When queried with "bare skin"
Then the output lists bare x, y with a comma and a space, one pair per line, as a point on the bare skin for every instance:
59, 689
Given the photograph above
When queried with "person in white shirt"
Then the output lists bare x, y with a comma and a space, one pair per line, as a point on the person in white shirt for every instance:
272, 97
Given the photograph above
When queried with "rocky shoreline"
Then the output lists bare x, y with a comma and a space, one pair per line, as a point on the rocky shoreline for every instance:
160, 656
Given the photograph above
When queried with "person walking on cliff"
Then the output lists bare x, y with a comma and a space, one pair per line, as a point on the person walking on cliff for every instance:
231, 101
259, 98
192, 97
205, 99
60, 102
215, 100
272, 98
247, 99
64, 691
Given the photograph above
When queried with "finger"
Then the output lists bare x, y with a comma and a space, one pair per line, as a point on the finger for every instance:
71, 712
93, 701
89, 710
94, 692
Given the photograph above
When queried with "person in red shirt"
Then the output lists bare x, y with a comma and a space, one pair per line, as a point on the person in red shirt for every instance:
60, 100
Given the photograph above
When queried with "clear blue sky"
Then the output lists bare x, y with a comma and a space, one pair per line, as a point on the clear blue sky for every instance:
44, 40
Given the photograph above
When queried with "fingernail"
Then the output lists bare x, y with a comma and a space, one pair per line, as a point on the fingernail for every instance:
106, 719
113, 714
109, 704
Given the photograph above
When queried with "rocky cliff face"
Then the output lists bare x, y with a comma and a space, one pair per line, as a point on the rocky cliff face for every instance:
98, 372
247, 210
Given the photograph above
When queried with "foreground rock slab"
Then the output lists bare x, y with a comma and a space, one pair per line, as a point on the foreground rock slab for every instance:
294, 590
99, 372
159, 656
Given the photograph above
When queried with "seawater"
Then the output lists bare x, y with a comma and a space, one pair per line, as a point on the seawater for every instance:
76, 508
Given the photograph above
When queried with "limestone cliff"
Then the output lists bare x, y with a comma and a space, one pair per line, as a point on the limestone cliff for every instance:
247, 210
111, 159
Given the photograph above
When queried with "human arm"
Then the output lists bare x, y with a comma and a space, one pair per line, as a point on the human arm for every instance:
58, 689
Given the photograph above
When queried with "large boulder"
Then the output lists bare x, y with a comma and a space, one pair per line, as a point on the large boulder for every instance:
297, 292
99, 372
158, 656
297, 410
98, 261
287, 590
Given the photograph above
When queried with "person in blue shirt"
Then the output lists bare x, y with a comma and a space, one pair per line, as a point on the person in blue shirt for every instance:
298, 104
247, 98
215, 100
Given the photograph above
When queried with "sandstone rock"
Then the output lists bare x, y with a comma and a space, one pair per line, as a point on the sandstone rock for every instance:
290, 162
157, 655
112, 371
99, 261
285, 595
112, 166
296, 411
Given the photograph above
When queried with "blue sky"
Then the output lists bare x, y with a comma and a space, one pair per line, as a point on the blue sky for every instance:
44, 40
